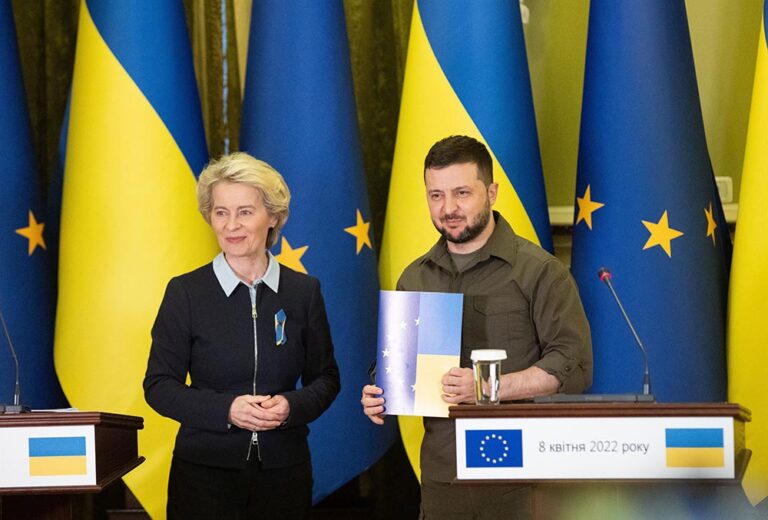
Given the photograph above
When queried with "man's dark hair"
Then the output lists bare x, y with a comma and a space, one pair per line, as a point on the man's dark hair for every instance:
460, 149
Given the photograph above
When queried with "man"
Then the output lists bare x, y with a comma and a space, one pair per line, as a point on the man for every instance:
517, 297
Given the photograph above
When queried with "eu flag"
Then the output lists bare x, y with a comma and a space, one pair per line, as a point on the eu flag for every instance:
25, 276
494, 448
299, 116
647, 207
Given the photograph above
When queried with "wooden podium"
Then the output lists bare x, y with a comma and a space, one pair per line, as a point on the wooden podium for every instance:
602, 459
46, 458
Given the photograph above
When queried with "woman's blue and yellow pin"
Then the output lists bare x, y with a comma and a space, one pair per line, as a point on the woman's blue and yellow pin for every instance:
280, 338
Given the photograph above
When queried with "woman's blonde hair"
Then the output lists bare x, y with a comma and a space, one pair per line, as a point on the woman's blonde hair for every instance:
241, 168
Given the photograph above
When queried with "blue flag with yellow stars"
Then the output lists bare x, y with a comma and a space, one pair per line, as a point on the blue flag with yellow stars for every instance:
25, 271
647, 209
299, 116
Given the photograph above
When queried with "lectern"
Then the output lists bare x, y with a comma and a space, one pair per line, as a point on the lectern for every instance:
48, 457
567, 452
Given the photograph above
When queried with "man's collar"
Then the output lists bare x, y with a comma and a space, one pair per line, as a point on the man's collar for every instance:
501, 243
229, 280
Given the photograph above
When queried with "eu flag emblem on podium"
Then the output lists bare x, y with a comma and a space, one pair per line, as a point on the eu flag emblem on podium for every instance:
494, 448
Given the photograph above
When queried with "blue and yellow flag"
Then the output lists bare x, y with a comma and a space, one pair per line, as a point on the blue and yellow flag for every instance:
647, 207
748, 298
129, 213
25, 270
694, 447
50, 456
299, 116
466, 73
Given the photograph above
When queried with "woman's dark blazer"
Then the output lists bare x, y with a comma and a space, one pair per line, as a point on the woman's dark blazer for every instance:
201, 331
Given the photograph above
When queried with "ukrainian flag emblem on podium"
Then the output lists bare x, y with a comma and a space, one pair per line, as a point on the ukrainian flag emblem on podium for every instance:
695, 448
53, 456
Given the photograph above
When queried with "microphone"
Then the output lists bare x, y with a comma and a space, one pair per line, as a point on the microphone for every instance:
605, 277
16, 407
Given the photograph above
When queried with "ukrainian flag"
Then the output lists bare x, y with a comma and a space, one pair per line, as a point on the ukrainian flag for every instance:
56, 456
129, 214
299, 116
466, 73
25, 266
748, 305
695, 448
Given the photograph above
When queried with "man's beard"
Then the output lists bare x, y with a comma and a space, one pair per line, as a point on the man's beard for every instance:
472, 231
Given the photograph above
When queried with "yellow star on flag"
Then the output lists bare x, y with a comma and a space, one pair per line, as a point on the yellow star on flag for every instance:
661, 234
360, 232
290, 257
33, 232
711, 224
586, 207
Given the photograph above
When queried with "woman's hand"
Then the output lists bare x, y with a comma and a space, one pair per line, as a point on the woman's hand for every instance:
373, 403
277, 406
258, 413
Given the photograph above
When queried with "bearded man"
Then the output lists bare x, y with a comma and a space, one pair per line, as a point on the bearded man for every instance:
517, 298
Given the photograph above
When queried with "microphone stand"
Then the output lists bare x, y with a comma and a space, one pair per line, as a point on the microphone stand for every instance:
16, 407
605, 277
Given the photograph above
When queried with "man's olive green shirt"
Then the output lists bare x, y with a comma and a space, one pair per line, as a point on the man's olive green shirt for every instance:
518, 298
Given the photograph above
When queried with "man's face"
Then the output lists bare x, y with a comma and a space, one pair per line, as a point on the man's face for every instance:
459, 202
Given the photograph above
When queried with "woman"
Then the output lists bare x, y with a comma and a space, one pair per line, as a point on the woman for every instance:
244, 329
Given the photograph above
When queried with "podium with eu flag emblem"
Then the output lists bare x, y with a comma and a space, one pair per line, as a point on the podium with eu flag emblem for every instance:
602, 454
46, 458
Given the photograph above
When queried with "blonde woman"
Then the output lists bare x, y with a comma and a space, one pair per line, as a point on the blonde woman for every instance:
244, 329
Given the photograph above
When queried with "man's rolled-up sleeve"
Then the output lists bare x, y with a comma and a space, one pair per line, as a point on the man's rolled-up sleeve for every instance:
563, 329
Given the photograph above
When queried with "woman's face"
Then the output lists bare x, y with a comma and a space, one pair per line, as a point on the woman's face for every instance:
240, 220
